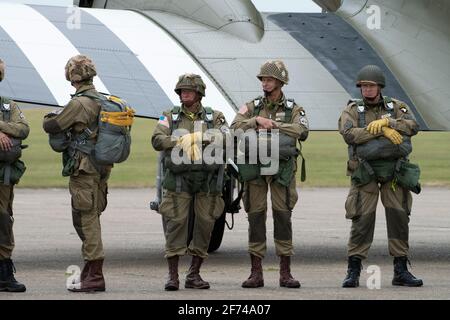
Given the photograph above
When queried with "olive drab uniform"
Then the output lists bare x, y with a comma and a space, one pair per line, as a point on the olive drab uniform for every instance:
292, 121
362, 200
88, 181
200, 184
196, 186
17, 127
14, 125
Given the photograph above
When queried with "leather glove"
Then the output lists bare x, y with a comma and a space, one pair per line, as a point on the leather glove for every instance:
393, 135
190, 144
375, 126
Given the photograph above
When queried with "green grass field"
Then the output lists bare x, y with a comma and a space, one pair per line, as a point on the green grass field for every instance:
325, 153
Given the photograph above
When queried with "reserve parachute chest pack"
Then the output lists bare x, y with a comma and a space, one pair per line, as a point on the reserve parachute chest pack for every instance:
288, 151
114, 126
16, 150
11, 168
192, 178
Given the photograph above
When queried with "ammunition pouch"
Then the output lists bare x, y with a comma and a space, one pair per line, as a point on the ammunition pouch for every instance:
377, 170
285, 172
249, 172
407, 175
194, 182
192, 178
69, 163
401, 171
10, 173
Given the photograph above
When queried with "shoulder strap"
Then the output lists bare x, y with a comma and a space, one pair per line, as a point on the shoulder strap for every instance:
83, 137
5, 108
288, 107
175, 117
361, 108
209, 117
258, 104
389, 105
92, 96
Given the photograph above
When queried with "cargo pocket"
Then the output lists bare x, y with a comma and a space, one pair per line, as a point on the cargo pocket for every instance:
173, 203
353, 204
217, 206
102, 201
407, 201
81, 190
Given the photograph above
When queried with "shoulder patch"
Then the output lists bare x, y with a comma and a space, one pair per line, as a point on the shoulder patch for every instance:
304, 121
302, 113
243, 109
163, 121
404, 109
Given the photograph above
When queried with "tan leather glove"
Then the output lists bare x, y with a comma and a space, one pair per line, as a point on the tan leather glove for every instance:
190, 144
375, 126
393, 135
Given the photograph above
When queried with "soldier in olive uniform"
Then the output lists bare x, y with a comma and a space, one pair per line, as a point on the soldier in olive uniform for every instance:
88, 180
187, 185
13, 129
377, 118
273, 111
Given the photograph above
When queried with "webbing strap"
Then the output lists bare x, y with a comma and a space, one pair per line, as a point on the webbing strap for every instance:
220, 177
361, 114
7, 175
179, 182
6, 113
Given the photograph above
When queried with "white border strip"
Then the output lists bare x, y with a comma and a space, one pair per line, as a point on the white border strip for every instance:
44, 45
160, 54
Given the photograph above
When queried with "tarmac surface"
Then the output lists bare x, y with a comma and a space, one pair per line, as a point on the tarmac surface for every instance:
135, 268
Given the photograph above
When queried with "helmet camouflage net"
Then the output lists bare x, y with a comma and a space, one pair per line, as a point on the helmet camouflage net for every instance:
190, 81
80, 68
371, 74
275, 69
2, 70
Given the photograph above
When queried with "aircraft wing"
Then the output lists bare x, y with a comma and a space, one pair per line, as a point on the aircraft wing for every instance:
140, 53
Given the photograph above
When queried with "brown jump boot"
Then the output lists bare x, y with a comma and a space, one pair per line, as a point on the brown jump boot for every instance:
172, 283
286, 279
94, 280
85, 271
255, 280
193, 279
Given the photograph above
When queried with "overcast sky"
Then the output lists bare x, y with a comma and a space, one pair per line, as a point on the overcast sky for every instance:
262, 5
